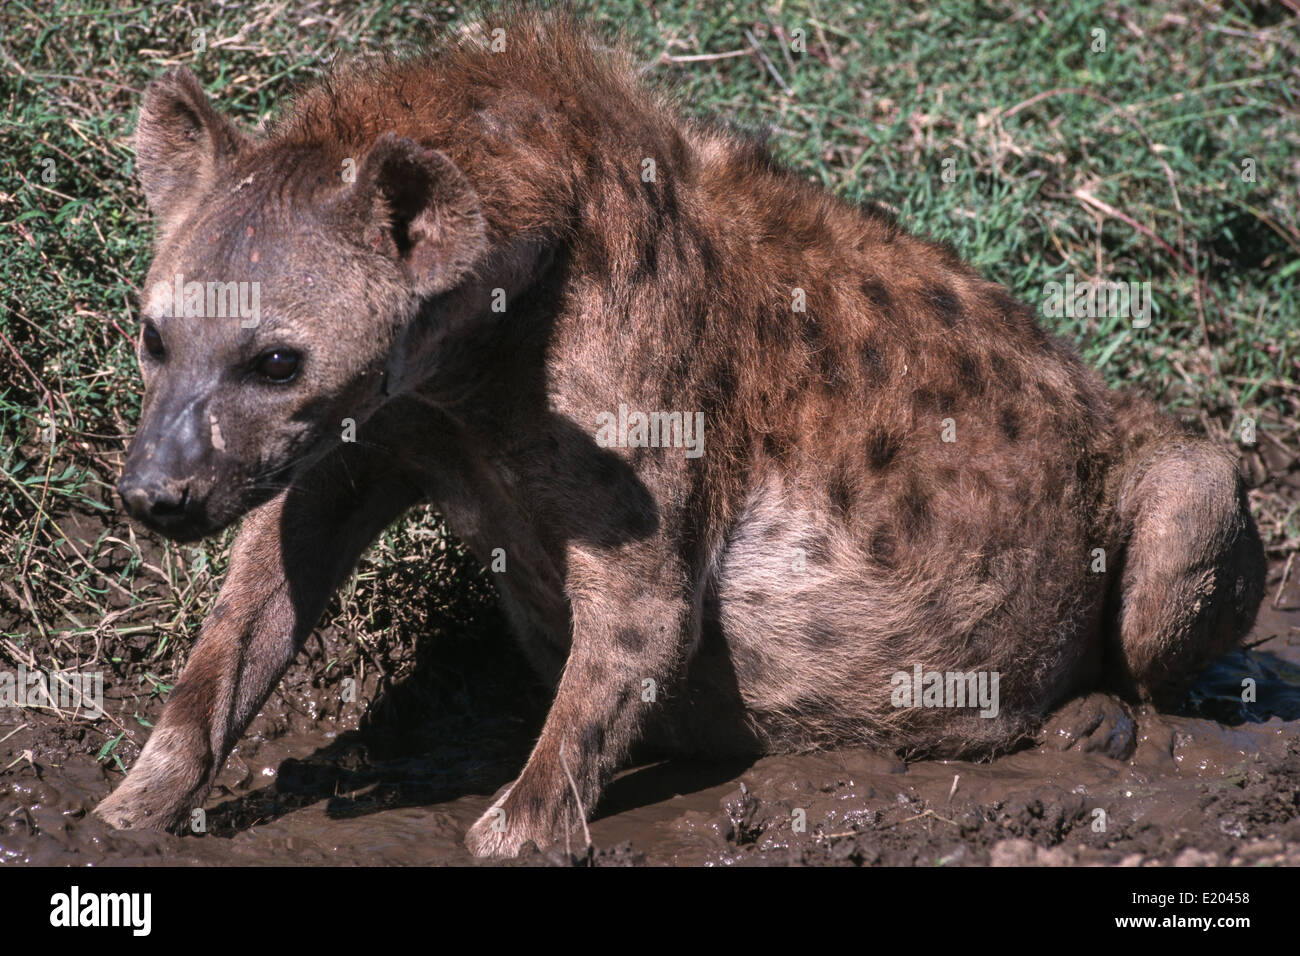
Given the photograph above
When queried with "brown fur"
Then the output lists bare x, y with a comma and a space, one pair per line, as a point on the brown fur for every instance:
826, 538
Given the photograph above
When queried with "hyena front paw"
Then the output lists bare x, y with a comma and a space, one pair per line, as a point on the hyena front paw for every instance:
520, 814
134, 808
164, 787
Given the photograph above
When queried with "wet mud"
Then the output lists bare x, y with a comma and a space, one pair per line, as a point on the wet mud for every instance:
393, 772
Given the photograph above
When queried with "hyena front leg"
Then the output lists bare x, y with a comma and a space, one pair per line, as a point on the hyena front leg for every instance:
631, 624
287, 559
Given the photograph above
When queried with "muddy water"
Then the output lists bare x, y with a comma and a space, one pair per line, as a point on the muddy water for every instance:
397, 779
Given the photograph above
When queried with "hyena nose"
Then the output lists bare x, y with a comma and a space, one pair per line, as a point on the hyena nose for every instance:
153, 499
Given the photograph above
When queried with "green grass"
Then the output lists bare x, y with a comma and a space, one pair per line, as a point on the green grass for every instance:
998, 130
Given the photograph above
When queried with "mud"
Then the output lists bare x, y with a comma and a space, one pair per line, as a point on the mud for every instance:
394, 771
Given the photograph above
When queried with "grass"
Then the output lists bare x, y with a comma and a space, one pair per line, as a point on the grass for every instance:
1000, 130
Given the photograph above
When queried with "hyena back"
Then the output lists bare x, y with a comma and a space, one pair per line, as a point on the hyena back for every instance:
484, 258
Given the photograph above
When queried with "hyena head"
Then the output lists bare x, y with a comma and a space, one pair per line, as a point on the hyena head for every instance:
281, 300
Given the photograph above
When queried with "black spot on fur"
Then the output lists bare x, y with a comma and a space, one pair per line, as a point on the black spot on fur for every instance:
646, 263
881, 449
948, 252
1004, 372
777, 447
1087, 469
945, 303
677, 379
703, 246
877, 294
914, 510
885, 218
595, 672
884, 546
627, 694
811, 331
630, 639
820, 633
593, 741
1019, 317
970, 373
773, 328
823, 358
1009, 422
873, 364
929, 400
752, 149
841, 494
720, 388
834, 371
724, 376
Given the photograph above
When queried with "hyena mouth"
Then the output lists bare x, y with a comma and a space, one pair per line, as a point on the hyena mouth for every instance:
205, 517
188, 523
270, 482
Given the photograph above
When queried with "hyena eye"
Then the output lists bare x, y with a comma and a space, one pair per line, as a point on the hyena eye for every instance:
277, 365
153, 343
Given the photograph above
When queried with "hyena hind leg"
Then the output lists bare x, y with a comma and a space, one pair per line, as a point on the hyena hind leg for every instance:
1192, 572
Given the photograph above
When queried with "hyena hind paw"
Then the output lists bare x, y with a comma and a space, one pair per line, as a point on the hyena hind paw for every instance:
1095, 723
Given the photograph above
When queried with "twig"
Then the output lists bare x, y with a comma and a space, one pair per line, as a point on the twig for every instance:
1039, 97
785, 45
1281, 585
582, 812
12, 732
927, 813
666, 57
771, 67
24, 755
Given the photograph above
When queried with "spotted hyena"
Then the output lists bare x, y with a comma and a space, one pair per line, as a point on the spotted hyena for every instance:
753, 452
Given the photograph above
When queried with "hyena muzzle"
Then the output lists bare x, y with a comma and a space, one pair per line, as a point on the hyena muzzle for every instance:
752, 451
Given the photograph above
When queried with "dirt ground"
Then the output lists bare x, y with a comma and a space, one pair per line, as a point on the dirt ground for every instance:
396, 772
307, 787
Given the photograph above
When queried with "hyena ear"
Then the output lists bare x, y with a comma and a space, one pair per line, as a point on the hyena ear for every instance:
415, 206
180, 143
